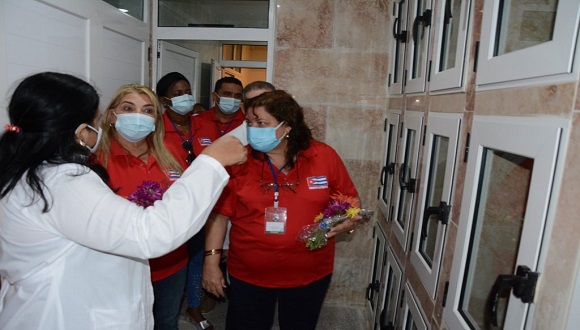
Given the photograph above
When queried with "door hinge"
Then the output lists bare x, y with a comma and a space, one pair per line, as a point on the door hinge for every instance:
476, 56
384, 256
467, 142
158, 54
444, 302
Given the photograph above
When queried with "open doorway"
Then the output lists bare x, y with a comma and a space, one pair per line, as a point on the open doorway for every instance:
245, 61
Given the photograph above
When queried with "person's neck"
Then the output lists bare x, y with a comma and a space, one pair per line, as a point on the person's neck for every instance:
277, 156
179, 120
138, 149
222, 116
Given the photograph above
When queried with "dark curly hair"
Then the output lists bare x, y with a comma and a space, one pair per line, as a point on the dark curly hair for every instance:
284, 107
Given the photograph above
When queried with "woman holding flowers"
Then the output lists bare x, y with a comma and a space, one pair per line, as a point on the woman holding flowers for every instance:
285, 184
133, 152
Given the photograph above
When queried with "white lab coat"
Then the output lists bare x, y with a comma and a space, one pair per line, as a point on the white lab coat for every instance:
83, 264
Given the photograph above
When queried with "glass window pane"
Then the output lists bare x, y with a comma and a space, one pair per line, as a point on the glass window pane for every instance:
130, 7
450, 34
523, 24
214, 13
391, 299
498, 221
405, 176
410, 325
233, 52
434, 195
399, 41
419, 41
388, 184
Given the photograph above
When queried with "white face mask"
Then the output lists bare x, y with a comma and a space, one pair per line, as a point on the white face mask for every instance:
182, 104
228, 105
99, 134
134, 127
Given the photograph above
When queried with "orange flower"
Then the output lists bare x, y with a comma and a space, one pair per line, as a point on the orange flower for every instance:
353, 201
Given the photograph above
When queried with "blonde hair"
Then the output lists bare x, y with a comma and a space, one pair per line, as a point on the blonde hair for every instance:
155, 139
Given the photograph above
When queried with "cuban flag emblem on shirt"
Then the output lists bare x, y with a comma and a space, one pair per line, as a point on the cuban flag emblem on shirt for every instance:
317, 182
172, 175
204, 141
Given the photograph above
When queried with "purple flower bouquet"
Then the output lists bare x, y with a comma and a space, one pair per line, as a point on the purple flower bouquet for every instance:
339, 209
147, 193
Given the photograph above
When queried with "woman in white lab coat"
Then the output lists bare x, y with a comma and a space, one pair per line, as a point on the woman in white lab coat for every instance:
73, 254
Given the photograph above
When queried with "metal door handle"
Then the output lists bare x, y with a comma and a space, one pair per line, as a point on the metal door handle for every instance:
523, 284
375, 286
408, 185
442, 212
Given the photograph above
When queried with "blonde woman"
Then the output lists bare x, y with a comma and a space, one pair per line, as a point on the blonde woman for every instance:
132, 151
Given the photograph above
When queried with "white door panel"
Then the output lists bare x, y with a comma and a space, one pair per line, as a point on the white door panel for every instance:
173, 58
504, 212
89, 39
451, 27
404, 193
434, 197
548, 51
387, 179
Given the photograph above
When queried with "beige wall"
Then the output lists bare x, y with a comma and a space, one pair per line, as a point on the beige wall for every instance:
332, 56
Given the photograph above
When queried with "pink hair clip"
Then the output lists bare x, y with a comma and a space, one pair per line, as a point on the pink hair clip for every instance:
12, 128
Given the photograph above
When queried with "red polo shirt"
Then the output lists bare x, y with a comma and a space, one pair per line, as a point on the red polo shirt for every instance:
279, 260
175, 139
128, 172
208, 128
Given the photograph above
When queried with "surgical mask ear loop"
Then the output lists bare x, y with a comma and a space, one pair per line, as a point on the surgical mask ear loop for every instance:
99, 132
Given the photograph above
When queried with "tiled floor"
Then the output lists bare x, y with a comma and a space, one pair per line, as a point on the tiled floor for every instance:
331, 318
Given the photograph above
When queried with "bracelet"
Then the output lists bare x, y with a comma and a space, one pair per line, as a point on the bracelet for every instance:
212, 252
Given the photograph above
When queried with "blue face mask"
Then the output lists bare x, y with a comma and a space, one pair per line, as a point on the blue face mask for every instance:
182, 104
228, 105
263, 138
134, 127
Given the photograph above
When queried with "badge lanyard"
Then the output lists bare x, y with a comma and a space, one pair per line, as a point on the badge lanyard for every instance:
275, 217
225, 130
275, 176
181, 135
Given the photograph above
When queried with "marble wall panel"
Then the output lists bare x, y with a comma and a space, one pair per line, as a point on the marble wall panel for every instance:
356, 134
363, 25
304, 23
453, 103
546, 100
332, 77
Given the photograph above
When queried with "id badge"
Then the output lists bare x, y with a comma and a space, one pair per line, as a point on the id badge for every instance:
275, 218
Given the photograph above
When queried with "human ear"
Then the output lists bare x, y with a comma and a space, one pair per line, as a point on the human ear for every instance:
81, 134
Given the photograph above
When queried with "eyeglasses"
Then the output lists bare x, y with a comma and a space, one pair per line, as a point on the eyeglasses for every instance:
271, 185
190, 155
